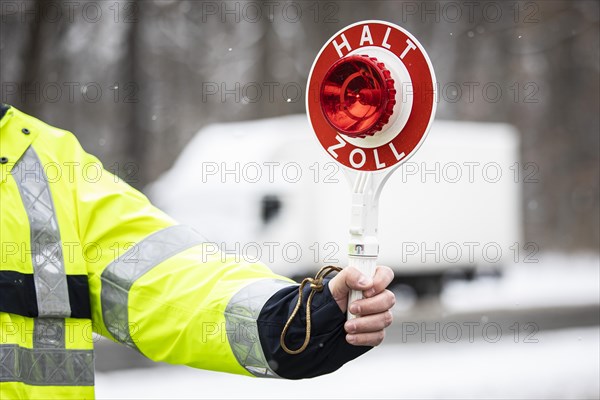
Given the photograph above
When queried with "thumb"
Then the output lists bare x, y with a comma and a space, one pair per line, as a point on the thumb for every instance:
348, 279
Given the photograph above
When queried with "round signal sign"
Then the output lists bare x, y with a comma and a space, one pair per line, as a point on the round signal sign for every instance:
371, 96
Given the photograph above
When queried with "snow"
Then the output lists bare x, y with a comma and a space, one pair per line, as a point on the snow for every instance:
562, 364
554, 280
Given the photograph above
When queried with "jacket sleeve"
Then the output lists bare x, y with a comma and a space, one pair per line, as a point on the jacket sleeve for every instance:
162, 289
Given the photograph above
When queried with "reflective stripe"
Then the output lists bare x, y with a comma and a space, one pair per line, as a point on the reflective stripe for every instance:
48, 362
242, 331
120, 275
46, 249
49, 333
46, 367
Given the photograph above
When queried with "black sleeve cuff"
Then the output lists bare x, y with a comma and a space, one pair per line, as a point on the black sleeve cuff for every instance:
327, 350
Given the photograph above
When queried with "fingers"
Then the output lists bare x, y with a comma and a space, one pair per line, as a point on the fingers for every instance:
348, 279
356, 280
373, 312
366, 339
383, 277
373, 305
369, 323
369, 330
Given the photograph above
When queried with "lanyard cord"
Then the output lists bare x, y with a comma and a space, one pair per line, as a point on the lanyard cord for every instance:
316, 285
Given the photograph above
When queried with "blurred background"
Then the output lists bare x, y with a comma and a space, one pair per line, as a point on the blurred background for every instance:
164, 92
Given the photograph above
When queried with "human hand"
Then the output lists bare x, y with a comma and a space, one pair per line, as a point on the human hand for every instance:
373, 312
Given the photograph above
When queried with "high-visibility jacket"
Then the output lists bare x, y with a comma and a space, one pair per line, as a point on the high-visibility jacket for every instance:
83, 252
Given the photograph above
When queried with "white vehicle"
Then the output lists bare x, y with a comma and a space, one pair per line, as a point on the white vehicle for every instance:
265, 190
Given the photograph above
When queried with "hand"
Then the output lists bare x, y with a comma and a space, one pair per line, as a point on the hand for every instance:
373, 312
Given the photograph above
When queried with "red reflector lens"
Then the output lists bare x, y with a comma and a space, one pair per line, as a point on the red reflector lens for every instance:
357, 96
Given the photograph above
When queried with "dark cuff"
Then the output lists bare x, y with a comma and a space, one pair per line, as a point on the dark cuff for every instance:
327, 350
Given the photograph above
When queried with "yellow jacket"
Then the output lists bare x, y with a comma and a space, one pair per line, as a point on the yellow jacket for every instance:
82, 252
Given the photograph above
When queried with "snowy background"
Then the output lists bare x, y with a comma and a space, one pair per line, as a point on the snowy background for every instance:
563, 364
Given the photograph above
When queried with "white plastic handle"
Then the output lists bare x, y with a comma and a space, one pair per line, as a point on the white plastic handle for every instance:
367, 266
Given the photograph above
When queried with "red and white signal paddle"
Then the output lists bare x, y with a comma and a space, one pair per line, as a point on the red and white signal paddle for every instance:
371, 100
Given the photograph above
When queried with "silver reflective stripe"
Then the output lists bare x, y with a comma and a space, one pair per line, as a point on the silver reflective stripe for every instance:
46, 249
120, 275
48, 363
49, 333
46, 367
241, 314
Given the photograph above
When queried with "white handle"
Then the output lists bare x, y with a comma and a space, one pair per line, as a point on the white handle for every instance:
367, 266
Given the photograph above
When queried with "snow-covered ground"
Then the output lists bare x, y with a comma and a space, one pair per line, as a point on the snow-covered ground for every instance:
562, 364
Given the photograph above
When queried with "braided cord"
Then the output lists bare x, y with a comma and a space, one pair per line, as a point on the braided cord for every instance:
316, 285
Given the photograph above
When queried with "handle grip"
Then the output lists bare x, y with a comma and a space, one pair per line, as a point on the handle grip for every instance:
367, 266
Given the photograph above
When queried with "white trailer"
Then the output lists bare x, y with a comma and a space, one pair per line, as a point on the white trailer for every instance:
266, 190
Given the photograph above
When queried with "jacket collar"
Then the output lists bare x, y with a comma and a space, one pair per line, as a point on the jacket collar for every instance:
13, 140
3, 109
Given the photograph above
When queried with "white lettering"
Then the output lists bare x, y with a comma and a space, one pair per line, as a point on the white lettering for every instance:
366, 36
398, 156
363, 158
339, 47
385, 39
411, 46
331, 149
378, 164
